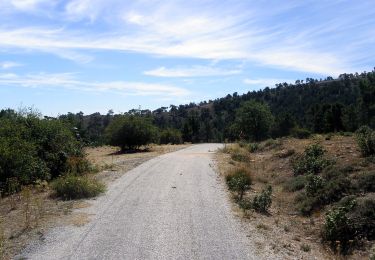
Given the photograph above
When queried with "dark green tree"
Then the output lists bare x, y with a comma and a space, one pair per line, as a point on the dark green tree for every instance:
131, 132
254, 120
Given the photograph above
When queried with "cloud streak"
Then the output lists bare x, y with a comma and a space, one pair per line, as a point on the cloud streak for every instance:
195, 71
266, 82
9, 64
69, 81
315, 41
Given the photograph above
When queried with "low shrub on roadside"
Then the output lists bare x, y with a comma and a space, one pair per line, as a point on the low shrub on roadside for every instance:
77, 187
262, 202
239, 180
366, 141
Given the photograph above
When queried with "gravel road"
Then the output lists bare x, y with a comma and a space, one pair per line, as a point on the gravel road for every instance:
172, 207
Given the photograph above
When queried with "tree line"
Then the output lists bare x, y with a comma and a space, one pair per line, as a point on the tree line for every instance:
310, 106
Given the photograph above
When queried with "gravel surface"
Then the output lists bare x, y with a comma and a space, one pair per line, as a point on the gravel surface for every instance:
174, 206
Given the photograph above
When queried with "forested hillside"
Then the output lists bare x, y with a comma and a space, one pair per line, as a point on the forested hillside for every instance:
319, 106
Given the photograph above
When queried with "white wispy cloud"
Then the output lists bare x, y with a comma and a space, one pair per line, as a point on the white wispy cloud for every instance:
9, 64
317, 43
266, 82
195, 71
28, 6
69, 81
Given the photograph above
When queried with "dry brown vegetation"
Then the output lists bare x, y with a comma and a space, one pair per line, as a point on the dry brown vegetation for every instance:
28, 214
289, 232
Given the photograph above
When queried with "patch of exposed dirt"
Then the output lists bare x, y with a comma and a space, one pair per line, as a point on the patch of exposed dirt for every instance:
27, 216
289, 233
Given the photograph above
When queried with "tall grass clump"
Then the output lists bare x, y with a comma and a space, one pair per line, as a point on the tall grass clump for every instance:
77, 187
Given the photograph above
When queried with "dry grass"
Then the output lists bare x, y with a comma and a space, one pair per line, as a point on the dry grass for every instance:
272, 166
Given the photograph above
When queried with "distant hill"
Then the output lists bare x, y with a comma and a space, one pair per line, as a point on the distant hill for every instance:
341, 104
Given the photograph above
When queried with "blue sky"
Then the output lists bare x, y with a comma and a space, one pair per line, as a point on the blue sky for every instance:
96, 55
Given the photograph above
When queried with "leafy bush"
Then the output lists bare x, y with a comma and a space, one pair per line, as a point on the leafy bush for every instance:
262, 202
34, 149
338, 228
300, 133
239, 180
76, 187
352, 221
131, 132
321, 191
19, 159
170, 136
312, 161
314, 185
366, 140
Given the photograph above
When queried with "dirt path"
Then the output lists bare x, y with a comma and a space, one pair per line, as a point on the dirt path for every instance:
171, 207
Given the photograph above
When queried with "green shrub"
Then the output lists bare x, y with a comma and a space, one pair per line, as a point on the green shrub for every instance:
349, 223
19, 159
312, 161
170, 136
366, 140
295, 184
314, 184
323, 191
239, 180
262, 202
300, 133
366, 182
34, 149
76, 187
338, 228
